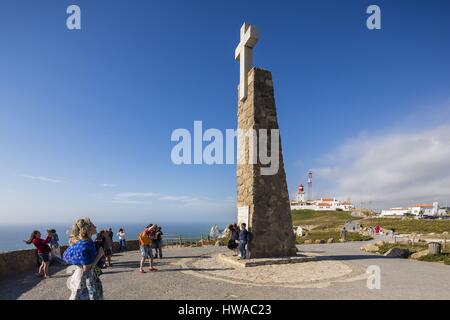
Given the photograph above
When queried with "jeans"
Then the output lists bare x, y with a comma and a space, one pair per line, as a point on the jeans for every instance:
242, 250
122, 244
158, 249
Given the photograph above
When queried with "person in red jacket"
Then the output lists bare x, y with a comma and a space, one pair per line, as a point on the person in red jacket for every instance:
43, 251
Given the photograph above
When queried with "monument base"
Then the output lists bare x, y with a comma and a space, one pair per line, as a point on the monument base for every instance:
235, 261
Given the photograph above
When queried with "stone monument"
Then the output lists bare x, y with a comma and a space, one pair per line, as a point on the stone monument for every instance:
262, 200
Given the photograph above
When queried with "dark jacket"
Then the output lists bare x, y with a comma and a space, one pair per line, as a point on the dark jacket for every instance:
243, 235
234, 235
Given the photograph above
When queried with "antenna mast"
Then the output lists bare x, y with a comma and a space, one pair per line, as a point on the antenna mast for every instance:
310, 177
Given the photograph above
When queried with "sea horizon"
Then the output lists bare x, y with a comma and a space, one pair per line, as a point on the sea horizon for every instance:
12, 235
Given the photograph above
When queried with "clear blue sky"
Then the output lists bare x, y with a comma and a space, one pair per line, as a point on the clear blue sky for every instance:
83, 109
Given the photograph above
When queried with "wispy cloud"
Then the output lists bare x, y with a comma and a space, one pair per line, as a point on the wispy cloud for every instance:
133, 197
42, 178
108, 185
396, 168
164, 199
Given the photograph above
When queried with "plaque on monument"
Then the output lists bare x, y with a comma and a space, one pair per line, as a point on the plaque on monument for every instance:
243, 215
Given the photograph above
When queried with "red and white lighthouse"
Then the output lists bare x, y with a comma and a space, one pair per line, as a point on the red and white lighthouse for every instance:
301, 193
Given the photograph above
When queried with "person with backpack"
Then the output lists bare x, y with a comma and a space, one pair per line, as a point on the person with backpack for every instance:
55, 254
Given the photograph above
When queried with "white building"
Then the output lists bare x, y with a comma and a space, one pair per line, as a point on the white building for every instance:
322, 204
420, 209
396, 212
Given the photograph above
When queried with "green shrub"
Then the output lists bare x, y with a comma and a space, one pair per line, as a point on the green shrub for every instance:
444, 257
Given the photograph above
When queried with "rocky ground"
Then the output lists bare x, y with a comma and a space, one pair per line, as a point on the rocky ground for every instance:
196, 273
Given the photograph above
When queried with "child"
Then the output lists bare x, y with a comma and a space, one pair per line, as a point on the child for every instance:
85, 283
145, 248
43, 251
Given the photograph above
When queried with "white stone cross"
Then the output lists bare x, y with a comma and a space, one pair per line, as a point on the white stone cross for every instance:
243, 53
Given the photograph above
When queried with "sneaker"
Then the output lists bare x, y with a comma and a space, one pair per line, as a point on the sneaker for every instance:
153, 269
141, 271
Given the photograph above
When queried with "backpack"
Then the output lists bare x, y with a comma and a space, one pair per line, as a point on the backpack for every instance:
249, 236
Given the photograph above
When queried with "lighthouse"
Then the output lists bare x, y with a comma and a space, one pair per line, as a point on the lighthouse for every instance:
301, 193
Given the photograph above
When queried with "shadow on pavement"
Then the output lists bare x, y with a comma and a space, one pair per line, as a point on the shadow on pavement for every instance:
193, 269
351, 257
188, 257
12, 288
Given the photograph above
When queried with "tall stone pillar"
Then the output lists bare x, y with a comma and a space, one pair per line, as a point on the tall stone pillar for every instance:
265, 197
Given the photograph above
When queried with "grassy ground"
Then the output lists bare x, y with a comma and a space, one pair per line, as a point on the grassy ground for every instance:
321, 219
444, 257
410, 225
327, 224
325, 235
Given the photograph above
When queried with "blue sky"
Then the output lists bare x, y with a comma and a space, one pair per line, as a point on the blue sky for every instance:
86, 116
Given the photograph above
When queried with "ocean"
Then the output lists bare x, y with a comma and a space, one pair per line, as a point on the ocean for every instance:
13, 235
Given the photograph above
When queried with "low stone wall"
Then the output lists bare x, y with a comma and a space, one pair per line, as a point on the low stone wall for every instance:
130, 245
15, 262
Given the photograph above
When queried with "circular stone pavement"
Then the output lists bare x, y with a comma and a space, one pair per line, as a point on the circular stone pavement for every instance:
314, 274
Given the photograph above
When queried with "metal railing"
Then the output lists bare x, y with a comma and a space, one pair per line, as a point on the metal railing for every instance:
180, 241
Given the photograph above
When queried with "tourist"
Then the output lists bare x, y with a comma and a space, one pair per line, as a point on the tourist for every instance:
121, 235
108, 247
243, 240
84, 283
234, 239
344, 233
110, 233
377, 229
158, 243
111, 236
99, 243
54, 246
43, 251
152, 236
145, 248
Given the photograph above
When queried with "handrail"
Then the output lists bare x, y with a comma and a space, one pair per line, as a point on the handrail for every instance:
179, 240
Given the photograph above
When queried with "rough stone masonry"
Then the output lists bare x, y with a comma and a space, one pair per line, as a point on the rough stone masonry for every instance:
266, 196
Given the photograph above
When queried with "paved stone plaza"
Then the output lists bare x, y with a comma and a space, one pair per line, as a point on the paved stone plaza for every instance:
196, 273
